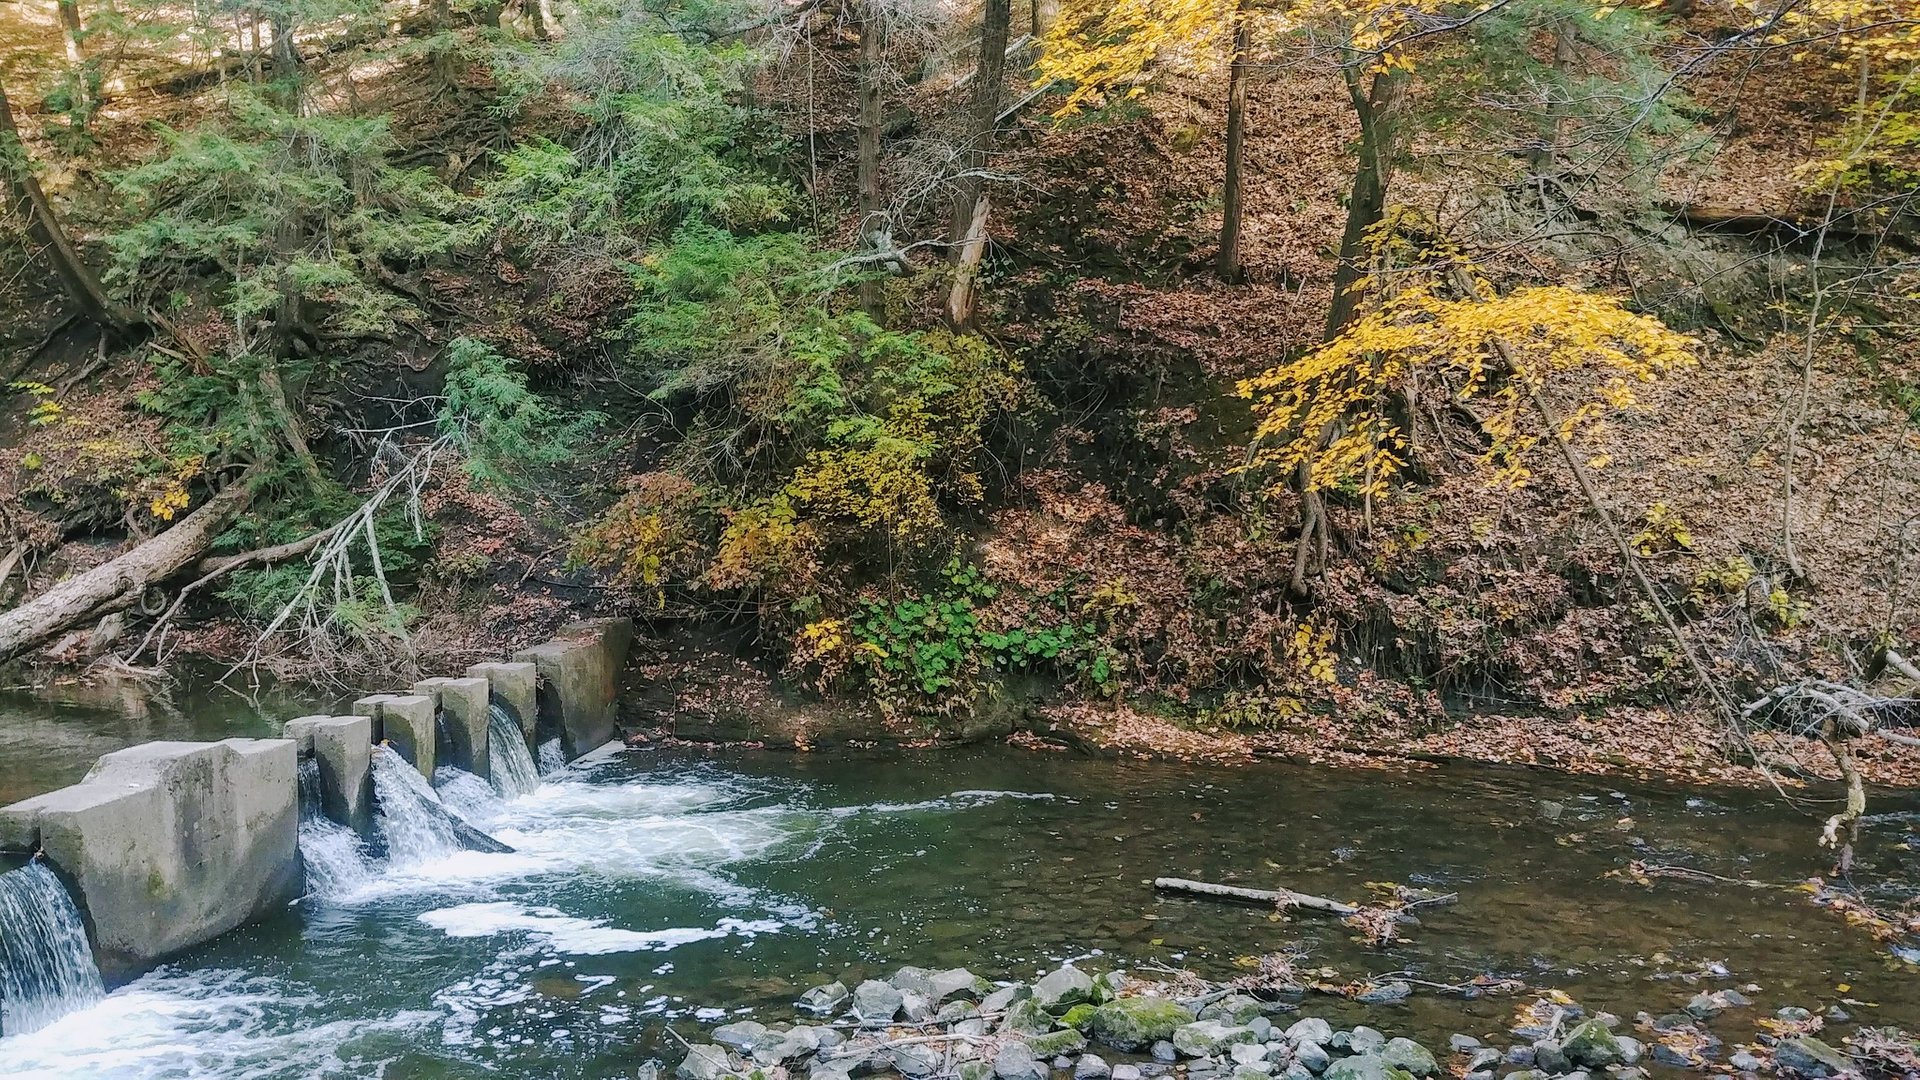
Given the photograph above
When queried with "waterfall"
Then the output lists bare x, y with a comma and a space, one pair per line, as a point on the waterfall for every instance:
410, 817
553, 757
46, 966
335, 859
512, 765
468, 796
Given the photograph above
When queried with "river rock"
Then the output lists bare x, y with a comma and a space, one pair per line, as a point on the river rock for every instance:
1204, 1037
1745, 1062
843, 1070
1092, 1067
825, 999
1410, 1056
972, 1027
1387, 993
915, 1059
1667, 1055
974, 1070
1252, 1072
1364, 1040
1261, 1027
1247, 1053
1631, 1049
1055, 1043
1026, 1017
1061, 989
952, 982
743, 1035
1312, 1029
1485, 1059
955, 1010
1837, 1014
704, 1061
1297, 1071
914, 1007
1164, 1051
1126, 1071
1462, 1044
1062, 1062
1234, 1009
1017, 1062
1312, 1055
1793, 1014
1550, 1057
1131, 1024
1809, 1056
913, 980
1003, 998
1520, 1055
1364, 1067
876, 1003
1592, 1045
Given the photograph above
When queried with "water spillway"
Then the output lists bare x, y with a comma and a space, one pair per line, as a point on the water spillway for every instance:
46, 966
333, 855
412, 821
513, 772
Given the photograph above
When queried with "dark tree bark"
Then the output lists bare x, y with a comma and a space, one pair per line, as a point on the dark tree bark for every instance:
872, 214
971, 207
23, 189
1378, 109
72, 30
1232, 209
1546, 149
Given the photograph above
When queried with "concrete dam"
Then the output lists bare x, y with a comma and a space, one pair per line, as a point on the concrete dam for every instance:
164, 846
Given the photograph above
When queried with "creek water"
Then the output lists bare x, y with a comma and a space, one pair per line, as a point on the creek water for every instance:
665, 889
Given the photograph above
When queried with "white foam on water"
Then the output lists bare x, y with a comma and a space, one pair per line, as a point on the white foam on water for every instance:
475, 800
583, 937
205, 1023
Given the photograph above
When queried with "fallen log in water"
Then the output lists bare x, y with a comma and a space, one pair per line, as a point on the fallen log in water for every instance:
1281, 897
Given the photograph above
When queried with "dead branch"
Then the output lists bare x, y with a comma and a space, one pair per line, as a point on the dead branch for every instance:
1285, 897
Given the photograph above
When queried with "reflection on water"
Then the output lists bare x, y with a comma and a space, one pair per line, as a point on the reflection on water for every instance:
667, 887
51, 736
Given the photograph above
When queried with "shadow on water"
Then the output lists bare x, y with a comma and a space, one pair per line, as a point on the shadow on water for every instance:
665, 888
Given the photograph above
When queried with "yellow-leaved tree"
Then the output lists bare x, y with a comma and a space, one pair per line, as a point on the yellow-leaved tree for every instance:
1337, 416
1878, 43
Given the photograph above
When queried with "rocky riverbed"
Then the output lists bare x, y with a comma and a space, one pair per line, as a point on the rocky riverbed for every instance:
936, 1025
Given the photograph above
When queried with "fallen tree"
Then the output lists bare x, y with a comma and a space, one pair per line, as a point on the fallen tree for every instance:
117, 584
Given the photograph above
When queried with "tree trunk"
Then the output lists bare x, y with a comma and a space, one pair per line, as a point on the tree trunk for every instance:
24, 189
973, 203
1378, 110
72, 30
1231, 208
1045, 14
960, 301
1553, 111
872, 218
116, 584
1377, 107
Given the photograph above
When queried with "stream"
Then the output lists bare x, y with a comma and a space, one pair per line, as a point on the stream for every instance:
666, 889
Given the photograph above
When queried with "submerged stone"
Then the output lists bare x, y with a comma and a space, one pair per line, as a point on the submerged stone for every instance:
742, 1035
1385, 994
1234, 1009
1126, 1071
1808, 1056
1134, 1023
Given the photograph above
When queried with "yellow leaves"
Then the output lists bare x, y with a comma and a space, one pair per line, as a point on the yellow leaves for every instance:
1336, 409
1664, 530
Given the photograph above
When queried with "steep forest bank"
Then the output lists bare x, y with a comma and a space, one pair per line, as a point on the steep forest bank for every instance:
1530, 381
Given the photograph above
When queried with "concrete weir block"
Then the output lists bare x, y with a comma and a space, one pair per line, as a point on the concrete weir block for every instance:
463, 710
405, 723
343, 748
170, 844
579, 677
515, 686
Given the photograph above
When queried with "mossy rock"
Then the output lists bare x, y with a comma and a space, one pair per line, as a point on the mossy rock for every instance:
1026, 1017
1593, 1045
1078, 1017
1055, 1043
1135, 1023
